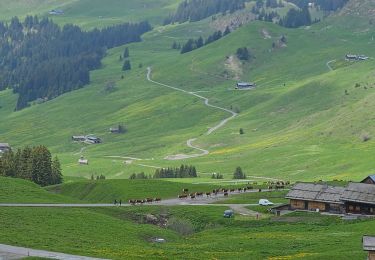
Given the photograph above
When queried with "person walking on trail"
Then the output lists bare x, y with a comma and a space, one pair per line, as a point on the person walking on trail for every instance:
115, 202
120, 202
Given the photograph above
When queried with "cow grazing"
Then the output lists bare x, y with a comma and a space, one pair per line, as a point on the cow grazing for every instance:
208, 194
192, 196
226, 194
199, 194
185, 190
132, 202
184, 196
157, 199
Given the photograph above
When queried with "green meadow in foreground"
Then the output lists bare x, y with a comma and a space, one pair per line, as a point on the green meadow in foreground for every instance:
107, 233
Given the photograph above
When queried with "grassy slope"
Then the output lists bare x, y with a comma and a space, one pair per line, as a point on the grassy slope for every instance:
21, 191
108, 232
91, 13
308, 129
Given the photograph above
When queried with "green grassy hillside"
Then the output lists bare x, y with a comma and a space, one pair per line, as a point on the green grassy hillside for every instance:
119, 234
90, 14
21, 191
307, 129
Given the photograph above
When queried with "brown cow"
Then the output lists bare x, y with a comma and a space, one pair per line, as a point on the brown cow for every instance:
192, 196
149, 200
184, 196
225, 194
208, 194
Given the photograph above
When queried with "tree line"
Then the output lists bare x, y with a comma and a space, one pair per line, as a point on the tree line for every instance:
196, 10
184, 171
33, 164
39, 59
193, 44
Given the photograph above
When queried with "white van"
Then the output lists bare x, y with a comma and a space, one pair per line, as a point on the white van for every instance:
264, 202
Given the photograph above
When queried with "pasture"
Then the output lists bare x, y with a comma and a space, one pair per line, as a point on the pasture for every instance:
107, 232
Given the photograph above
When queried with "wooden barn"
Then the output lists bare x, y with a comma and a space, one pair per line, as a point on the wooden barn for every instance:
369, 179
359, 198
316, 196
369, 246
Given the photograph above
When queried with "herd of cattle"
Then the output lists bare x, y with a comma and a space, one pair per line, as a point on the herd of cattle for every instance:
224, 191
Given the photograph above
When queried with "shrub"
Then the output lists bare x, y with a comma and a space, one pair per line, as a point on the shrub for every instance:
181, 226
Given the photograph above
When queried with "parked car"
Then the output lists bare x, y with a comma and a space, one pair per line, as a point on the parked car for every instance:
228, 214
264, 202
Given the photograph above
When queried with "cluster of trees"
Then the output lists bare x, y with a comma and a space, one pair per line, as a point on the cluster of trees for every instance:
139, 176
184, 171
268, 17
243, 54
239, 174
296, 18
32, 163
193, 44
196, 10
38, 59
326, 5
259, 5
97, 177
127, 65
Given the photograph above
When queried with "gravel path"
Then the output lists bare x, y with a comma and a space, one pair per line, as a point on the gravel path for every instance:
14, 252
189, 143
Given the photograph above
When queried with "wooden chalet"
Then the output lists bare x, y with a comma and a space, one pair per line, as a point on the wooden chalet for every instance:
359, 198
369, 246
78, 138
316, 197
369, 179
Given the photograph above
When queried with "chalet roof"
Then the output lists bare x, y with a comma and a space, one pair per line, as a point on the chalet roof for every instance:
359, 192
372, 177
315, 192
368, 243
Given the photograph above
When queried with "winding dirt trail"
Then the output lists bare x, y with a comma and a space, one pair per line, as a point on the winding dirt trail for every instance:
189, 143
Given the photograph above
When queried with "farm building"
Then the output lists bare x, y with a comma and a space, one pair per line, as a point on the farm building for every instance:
355, 198
369, 246
369, 179
93, 140
56, 12
4, 147
245, 85
83, 161
359, 198
355, 57
78, 138
311, 196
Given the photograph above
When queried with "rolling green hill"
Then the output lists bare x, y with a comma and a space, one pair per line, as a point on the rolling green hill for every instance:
21, 191
303, 121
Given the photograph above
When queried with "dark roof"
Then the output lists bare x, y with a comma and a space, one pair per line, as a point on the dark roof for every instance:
359, 192
315, 192
372, 177
368, 243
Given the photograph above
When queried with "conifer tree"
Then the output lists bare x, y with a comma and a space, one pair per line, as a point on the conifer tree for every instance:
126, 66
126, 53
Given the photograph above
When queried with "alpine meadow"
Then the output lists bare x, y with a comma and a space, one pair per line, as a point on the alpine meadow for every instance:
187, 129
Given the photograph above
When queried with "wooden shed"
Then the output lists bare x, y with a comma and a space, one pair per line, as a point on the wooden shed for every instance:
316, 196
369, 246
359, 198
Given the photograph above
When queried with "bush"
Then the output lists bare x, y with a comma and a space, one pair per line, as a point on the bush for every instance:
238, 174
181, 226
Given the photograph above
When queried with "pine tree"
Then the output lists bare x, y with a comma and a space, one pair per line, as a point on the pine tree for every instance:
238, 174
41, 170
126, 66
227, 31
56, 177
126, 53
